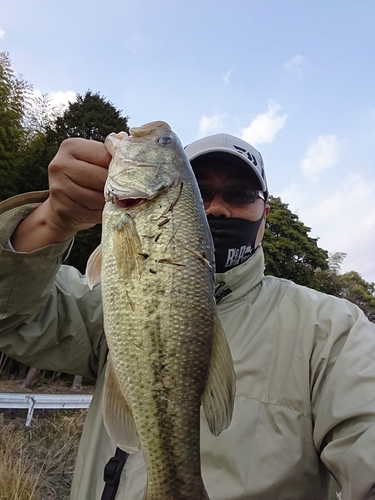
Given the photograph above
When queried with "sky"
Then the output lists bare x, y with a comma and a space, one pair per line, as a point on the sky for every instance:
295, 78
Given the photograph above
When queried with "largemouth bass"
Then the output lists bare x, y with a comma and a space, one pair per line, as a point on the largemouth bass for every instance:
167, 351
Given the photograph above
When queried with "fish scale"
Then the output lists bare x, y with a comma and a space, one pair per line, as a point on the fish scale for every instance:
167, 351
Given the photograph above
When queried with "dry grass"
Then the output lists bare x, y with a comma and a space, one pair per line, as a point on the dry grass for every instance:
18, 478
37, 463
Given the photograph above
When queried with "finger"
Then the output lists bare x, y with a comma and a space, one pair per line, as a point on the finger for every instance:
78, 172
69, 213
81, 161
82, 196
93, 152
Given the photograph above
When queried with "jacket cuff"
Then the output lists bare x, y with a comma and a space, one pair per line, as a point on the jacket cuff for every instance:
17, 208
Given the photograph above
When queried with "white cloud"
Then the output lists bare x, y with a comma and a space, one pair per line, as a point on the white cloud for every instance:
350, 192
292, 195
210, 125
295, 65
320, 156
265, 126
61, 99
227, 76
58, 101
2, 33
135, 43
345, 222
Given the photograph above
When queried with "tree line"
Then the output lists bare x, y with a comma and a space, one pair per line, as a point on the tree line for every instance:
31, 132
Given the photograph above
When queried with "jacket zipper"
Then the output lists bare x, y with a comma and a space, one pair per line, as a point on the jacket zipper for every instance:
221, 291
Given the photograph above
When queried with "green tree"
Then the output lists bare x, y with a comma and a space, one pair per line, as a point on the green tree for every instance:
40, 115
350, 285
24, 119
90, 117
30, 136
329, 279
14, 95
359, 291
289, 250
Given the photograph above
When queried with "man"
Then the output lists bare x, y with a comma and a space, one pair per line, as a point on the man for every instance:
304, 361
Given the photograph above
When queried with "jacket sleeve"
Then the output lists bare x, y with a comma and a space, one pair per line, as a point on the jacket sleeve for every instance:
343, 396
49, 318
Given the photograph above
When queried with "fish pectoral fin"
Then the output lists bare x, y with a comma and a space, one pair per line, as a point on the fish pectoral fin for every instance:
117, 414
218, 396
94, 267
128, 251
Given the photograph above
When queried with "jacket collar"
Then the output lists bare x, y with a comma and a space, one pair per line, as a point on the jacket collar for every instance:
240, 280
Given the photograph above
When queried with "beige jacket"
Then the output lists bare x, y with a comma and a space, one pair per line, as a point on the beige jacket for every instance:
305, 366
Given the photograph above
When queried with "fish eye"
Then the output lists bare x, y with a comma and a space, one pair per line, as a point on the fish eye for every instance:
164, 140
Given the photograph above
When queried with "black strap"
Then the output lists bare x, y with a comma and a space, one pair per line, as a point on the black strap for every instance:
112, 474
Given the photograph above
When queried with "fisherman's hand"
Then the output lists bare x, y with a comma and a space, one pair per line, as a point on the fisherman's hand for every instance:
77, 175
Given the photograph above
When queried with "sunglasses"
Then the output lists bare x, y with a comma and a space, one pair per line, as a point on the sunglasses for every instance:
231, 194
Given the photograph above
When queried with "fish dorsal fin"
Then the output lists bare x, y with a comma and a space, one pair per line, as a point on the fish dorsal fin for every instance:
218, 397
117, 414
94, 267
149, 128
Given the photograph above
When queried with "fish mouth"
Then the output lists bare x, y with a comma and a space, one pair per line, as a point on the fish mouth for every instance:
124, 197
128, 202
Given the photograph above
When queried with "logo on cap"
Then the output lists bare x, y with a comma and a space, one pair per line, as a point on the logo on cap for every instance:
244, 152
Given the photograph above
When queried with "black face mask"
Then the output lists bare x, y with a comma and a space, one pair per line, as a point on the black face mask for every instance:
234, 240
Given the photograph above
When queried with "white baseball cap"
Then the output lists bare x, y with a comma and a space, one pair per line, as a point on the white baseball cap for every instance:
220, 145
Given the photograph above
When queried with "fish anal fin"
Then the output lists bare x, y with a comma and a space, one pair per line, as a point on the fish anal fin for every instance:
218, 397
117, 414
94, 267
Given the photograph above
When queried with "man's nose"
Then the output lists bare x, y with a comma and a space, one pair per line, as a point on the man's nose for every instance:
217, 206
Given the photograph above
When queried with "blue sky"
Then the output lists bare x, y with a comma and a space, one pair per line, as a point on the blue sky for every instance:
296, 78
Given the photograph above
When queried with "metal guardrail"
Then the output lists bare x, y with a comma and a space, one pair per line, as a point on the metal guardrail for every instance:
31, 402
